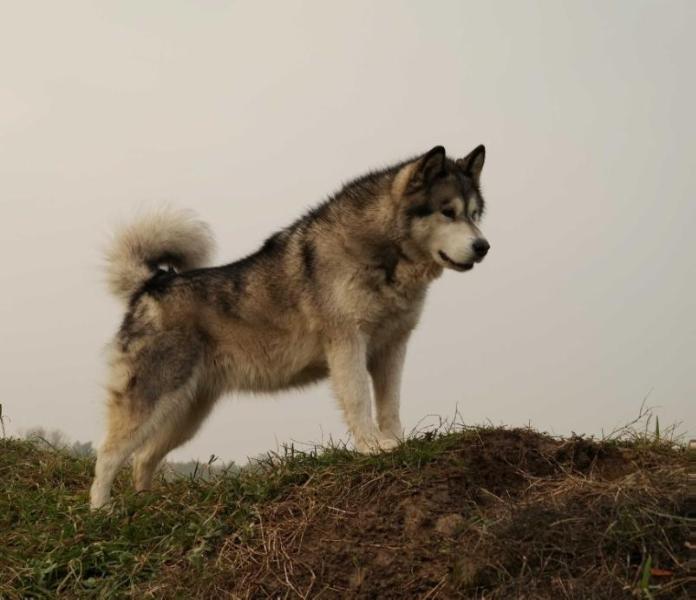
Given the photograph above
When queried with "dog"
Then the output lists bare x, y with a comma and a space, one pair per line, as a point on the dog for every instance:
336, 294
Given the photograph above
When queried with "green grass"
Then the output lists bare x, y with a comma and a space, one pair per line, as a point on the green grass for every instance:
232, 533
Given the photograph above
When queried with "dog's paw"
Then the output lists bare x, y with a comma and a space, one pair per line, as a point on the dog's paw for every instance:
387, 444
99, 505
375, 443
98, 497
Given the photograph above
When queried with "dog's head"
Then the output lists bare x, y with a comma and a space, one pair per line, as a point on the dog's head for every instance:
442, 203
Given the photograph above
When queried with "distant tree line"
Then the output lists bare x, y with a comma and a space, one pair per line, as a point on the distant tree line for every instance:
55, 439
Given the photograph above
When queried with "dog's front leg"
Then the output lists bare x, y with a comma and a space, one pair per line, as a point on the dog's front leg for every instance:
347, 358
386, 368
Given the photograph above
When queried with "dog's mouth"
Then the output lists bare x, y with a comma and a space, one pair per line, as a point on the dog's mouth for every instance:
454, 264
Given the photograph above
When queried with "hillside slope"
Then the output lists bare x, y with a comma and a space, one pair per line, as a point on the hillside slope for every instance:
473, 513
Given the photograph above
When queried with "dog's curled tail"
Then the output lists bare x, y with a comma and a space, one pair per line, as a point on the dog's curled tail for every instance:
167, 236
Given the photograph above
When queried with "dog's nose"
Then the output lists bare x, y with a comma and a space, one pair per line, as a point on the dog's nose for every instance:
481, 247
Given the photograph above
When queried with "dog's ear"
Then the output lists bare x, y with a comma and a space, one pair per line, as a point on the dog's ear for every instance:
428, 167
472, 163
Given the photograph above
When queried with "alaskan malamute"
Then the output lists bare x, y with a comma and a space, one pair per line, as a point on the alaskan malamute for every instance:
336, 294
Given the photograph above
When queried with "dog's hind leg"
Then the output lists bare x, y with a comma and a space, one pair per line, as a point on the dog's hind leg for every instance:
132, 423
153, 383
125, 431
129, 430
177, 428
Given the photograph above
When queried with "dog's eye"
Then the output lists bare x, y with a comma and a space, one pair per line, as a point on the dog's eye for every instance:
449, 213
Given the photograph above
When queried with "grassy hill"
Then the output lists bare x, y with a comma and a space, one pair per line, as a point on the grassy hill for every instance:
472, 513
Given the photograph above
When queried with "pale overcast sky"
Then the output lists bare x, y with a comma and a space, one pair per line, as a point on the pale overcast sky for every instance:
249, 112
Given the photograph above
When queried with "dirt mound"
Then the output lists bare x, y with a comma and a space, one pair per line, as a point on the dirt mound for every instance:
491, 513
473, 513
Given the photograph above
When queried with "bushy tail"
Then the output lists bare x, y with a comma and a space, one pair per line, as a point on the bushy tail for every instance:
171, 236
